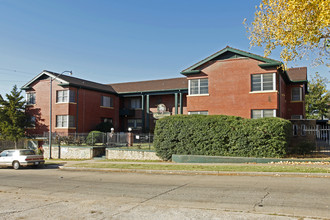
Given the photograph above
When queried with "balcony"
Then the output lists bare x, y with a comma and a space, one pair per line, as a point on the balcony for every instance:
125, 112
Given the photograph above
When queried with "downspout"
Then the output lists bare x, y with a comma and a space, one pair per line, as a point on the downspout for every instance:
77, 110
279, 93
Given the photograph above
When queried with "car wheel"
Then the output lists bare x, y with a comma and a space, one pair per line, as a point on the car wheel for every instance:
16, 165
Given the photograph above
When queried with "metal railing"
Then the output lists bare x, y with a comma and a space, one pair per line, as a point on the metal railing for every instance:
120, 139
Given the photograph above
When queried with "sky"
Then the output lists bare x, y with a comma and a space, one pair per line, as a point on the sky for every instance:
110, 41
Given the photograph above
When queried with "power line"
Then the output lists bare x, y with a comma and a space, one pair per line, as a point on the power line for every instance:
16, 71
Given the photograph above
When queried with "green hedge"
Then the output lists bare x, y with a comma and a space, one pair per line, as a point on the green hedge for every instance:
221, 135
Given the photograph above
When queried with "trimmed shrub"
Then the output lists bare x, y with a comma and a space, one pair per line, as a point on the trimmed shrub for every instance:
104, 127
221, 135
94, 137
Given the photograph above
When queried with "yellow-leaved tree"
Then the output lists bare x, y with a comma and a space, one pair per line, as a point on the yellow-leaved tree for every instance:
298, 27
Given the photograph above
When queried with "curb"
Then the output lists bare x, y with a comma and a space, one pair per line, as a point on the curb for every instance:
185, 172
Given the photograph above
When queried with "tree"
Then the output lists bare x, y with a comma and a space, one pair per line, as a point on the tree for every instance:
12, 115
297, 26
318, 98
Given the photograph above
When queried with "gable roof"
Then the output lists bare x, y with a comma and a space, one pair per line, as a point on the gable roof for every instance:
151, 85
298, 74
71, 81
229, 52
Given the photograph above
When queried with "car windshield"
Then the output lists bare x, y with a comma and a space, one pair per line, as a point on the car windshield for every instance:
27, 152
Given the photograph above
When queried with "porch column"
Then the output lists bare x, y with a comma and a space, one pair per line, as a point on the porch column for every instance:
148, 115
181, 103
143, 112
176, 102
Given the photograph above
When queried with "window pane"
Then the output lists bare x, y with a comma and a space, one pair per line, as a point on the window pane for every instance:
296, 94
204, 113
72, 96
193, 113
256, 82
268, 81
139, 123
256, 114
131, 123
30, 98
204, 86
71, 121
65, 96
193, 86
135, 103
268, 113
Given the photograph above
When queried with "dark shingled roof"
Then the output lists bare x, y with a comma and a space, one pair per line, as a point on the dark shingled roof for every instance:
151, 85
84, 83
297, 74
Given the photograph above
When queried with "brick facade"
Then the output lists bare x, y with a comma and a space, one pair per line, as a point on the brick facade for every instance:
229, 74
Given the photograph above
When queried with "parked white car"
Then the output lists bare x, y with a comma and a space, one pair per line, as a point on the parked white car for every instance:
20, 157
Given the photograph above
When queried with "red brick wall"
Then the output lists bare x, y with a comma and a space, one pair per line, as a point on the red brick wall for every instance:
295, 107
230, 89
89, 112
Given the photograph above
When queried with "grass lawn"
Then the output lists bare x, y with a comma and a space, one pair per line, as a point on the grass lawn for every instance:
189, 167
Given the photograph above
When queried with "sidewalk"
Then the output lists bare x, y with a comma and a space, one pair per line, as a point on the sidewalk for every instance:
70, 165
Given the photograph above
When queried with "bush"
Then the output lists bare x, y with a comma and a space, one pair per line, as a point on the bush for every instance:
303, 148
220, 135
104, 127
94, 137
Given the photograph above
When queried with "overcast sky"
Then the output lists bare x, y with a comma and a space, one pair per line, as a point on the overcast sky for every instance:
119, 41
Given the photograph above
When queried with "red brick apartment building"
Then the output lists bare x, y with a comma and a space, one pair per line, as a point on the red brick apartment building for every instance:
229, 82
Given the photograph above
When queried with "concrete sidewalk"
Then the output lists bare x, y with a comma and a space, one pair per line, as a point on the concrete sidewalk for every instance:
70, 165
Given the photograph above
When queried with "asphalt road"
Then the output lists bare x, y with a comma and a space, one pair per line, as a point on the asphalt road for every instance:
58, 194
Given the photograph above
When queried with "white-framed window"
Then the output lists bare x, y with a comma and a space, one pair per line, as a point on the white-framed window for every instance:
65, 96
134, 123
65, 121
198, 113
136, 103
296, 94
263, 113
198, 86
31, 98
263, 82
106, 101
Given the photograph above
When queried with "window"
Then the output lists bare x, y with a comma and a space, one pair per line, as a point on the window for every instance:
198, 113
296, 94
135, 103
296, 117
198, 86
106, 120
31, 122
106, 101
263, 82
65, 121
295, 130
30, 98
303, 130
65, 96
134, 123
265, 113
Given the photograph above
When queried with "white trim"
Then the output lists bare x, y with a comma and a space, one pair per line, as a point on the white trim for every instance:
262, 82
198, 95
267, 91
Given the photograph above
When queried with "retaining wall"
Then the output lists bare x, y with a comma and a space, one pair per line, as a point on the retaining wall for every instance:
128, 154
69, 152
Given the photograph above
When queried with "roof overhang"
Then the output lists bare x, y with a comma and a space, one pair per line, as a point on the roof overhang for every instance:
267, 63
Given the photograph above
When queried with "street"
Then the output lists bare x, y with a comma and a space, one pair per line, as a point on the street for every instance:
57, 194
